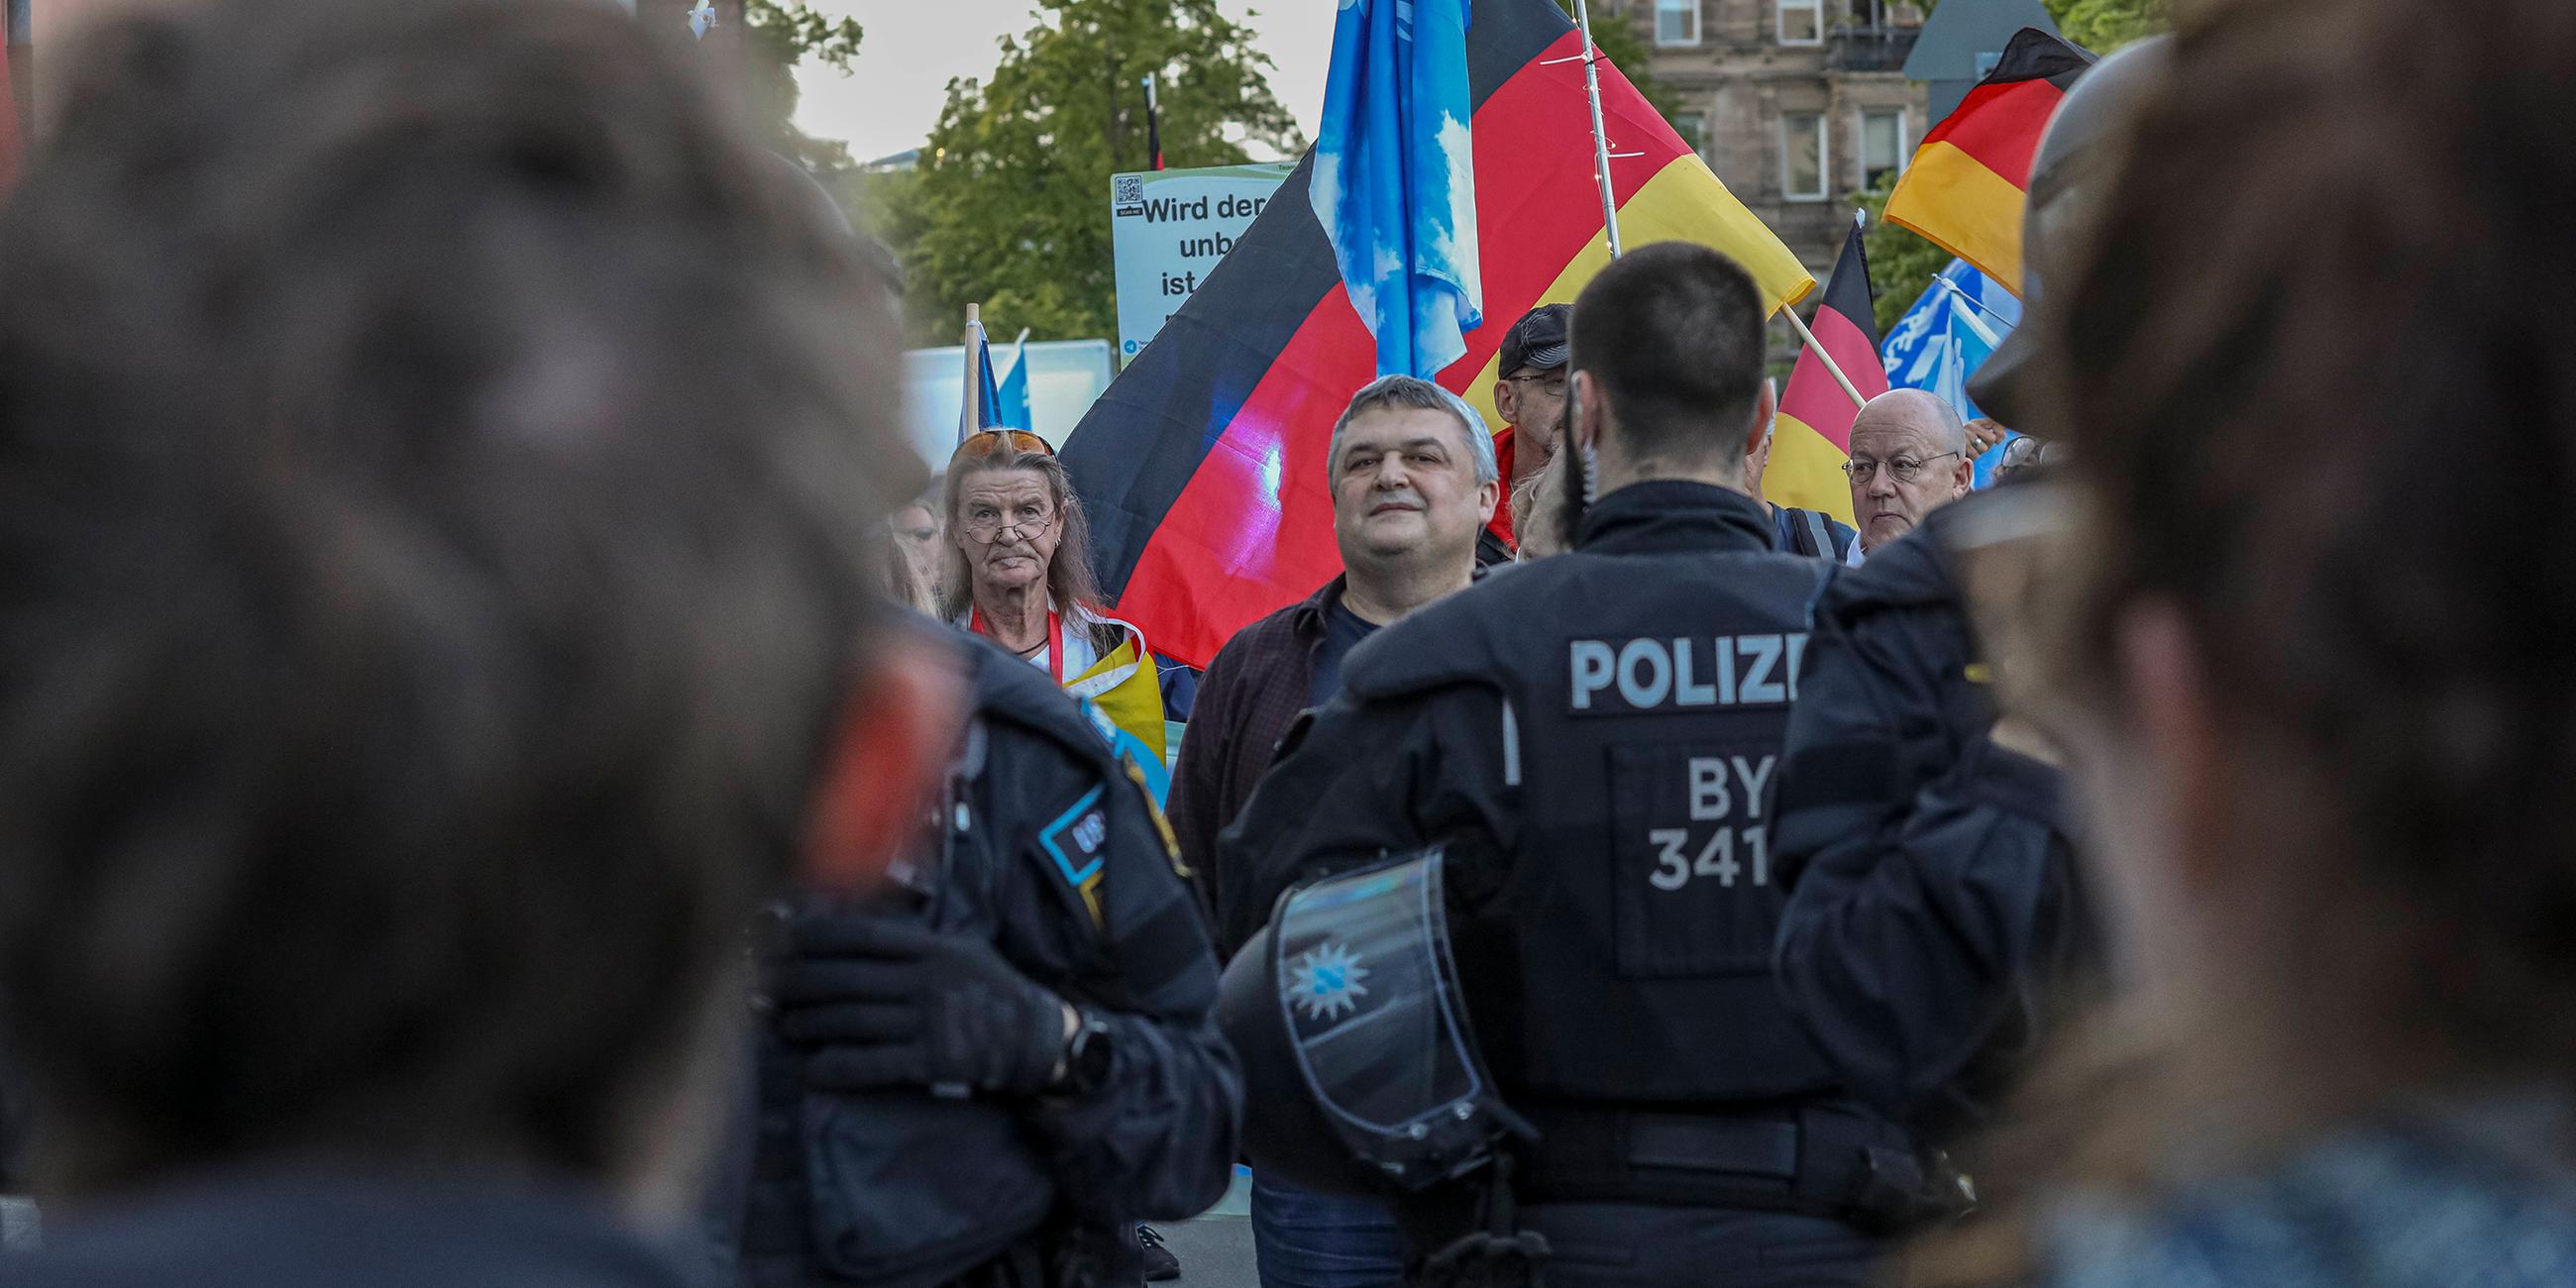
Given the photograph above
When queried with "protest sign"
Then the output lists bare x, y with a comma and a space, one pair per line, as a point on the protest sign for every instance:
1168, 228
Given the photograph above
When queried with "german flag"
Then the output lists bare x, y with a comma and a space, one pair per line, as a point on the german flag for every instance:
1811, 441
1965, 187
1202, 467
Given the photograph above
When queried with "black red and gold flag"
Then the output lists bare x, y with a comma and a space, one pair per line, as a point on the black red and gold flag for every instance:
1966, 185
1814, 404
1203, 468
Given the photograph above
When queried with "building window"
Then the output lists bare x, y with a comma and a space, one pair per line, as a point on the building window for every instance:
1676, 22
1882, 145
1802, 156
1694, 131
1802, 22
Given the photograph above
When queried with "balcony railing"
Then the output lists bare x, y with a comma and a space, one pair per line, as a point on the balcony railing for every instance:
1869, 49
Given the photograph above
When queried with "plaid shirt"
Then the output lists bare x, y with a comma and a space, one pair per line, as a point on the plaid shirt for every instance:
1254, 689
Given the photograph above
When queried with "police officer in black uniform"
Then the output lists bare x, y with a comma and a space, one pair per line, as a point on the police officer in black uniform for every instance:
1591, 740
1938, 928
992, 1073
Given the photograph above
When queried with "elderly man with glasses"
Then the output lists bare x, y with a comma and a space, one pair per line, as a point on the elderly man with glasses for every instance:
1909, 457
1529, 394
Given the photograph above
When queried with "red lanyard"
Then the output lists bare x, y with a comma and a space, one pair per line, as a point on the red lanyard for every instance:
1055, 640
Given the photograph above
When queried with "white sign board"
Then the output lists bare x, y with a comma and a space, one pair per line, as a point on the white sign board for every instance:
1168, 228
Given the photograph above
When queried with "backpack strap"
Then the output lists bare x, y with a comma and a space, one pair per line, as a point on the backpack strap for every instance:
1819, 539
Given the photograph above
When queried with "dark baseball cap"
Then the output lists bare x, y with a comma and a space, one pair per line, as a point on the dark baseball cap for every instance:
1537, 341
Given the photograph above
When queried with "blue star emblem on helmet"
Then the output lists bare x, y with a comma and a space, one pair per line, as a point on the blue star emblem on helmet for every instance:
1325, 984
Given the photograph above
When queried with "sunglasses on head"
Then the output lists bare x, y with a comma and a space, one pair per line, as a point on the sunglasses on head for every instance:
986, 442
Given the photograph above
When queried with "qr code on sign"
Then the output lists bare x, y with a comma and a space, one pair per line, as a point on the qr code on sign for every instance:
1127, 189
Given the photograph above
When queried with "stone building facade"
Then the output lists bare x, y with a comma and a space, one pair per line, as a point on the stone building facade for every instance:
1798, 105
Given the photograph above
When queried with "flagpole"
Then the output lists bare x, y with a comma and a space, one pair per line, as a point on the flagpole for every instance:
1600, 135
968, 419
1153, 127
1983, 331
1816, 347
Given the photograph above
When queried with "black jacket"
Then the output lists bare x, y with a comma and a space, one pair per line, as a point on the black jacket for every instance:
1070, 873
1935, 925
1456, 726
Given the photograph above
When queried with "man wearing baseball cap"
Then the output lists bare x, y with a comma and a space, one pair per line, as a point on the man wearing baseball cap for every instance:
1528, 394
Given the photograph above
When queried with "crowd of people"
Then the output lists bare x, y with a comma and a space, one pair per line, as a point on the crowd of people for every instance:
508, 777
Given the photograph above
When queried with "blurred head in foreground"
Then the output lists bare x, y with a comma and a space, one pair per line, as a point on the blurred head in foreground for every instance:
2328, 723
436, 606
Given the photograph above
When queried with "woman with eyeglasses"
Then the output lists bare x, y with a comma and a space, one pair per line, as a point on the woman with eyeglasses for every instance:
1017, 570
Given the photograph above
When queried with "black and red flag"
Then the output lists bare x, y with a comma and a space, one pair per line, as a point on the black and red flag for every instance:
1203, 468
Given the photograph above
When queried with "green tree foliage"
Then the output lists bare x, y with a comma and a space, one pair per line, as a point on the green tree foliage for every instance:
780, 34
1010, 205
2103, 25
2106, 25
1901, 264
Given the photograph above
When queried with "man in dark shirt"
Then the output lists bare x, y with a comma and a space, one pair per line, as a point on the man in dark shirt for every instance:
1414, 481
1343, 631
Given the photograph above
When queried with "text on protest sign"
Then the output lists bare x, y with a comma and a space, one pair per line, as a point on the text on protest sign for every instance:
1168, 229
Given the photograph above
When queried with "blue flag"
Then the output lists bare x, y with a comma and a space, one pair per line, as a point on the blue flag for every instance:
1002, 405
1395, 178
1011, 399
1946, 336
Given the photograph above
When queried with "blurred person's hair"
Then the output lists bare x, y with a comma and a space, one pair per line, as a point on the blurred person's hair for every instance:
431, 461
2299, 415
1068, 578
1412, 393
1674, 333
896, 575
1523, 501
1539, 509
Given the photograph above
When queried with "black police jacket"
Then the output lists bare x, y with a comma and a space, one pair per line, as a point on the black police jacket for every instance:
1590, 738
1935, 923
1056, 855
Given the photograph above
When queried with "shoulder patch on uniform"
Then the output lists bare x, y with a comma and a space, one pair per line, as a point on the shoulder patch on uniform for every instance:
1078, 842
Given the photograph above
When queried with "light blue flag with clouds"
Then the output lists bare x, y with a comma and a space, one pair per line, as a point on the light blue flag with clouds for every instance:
1395, 178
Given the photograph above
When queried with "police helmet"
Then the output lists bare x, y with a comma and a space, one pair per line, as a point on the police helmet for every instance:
1361, 1074
2078, 152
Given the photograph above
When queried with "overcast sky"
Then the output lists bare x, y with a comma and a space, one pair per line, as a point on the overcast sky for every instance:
896, 86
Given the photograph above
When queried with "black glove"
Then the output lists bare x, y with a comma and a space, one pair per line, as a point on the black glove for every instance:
890, 1004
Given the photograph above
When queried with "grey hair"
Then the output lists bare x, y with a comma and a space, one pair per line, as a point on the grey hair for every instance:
1413, 393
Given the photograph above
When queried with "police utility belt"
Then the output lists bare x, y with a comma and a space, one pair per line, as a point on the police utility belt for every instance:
1827, 1160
